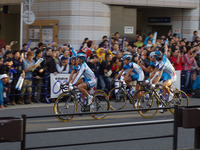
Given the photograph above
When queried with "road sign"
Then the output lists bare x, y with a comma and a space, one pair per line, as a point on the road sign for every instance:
29, 17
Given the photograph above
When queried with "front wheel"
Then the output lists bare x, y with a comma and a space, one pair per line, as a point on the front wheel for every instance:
100, 102
145, 101
117, 98
65, 104
180, 98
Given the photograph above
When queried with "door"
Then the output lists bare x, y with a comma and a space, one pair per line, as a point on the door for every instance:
162, 30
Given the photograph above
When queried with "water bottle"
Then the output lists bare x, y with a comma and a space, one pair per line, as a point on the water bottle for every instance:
85, 101
79, 97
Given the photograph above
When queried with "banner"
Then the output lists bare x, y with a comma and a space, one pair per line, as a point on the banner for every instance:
55, 82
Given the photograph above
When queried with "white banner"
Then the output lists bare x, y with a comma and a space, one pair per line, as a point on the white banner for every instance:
56, 81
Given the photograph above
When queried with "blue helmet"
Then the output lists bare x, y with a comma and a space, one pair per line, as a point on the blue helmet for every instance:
152, 54
158, 55
72, 57
128, 57
81, 56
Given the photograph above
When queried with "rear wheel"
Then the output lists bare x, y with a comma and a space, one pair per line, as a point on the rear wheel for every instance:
65, 104
117, 98
100, 102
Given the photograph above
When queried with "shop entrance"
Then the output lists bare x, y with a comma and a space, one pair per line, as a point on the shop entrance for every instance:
161, 29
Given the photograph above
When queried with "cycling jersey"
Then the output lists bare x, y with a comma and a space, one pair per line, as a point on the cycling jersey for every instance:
137, 70
167, 67
76, 68
89, 77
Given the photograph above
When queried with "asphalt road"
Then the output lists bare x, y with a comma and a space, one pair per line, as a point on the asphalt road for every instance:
185, 136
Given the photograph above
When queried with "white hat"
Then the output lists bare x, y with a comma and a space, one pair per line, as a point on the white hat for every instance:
3, 76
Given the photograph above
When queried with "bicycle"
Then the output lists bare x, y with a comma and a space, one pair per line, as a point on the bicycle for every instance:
67, 103
118, 96
151, 98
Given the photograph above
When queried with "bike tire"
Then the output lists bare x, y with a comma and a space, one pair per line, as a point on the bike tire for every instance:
100, 102
65, 104
145, 101
180, 98
117, 98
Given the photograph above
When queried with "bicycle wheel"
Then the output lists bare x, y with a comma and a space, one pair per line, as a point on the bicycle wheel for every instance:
100, 102
117, 98
180, 98
145, 101
65, 104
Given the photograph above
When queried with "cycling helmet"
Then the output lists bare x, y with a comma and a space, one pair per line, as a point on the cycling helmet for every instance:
81, 56
152, 54
158, 55
72, 57
128, 57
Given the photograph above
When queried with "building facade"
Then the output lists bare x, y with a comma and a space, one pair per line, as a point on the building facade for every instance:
73, 20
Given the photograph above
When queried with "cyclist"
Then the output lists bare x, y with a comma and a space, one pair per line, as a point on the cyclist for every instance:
166, 73
75, 68
133, 72
89, 80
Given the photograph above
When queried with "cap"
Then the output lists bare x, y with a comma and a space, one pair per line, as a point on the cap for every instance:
3, 76
64, 58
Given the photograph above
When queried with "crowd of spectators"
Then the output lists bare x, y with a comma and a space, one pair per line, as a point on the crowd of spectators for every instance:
103, 58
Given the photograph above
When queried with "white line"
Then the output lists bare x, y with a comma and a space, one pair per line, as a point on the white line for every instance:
107, 125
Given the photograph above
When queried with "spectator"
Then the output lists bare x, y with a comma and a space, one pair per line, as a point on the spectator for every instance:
116, 66
64, 67
38, 74
29, 65
195, 35
104, 78
94, 65
139, 42
50, 63
104, 38
115, 49
188, 66
90, 49
84, 44
150, 37
101, 52
117, 35
177, 59
41, 46
18, 66
3, 81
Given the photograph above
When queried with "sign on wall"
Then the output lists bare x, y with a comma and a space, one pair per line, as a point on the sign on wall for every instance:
128, 30
159, 20
178, 32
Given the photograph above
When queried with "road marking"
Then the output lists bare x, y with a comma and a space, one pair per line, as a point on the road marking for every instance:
108, 125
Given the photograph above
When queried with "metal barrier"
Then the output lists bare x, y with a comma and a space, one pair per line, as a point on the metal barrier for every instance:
174, 135
45, 86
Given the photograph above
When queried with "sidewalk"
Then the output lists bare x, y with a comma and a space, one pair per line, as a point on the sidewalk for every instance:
34, 105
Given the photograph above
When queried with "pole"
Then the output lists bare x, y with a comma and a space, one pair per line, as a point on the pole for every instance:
21, 25
175, 138
23, 142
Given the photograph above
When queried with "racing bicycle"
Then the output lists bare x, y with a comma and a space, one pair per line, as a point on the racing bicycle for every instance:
68, 101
